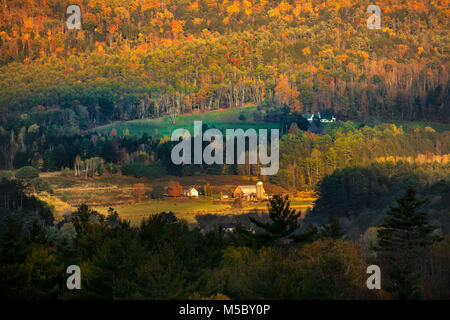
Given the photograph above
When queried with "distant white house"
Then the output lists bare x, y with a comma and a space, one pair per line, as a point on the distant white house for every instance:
191, 192
229, 230
310, 117
324, 120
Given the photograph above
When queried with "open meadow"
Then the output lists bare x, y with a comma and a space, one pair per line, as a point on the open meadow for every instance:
235, 118
188, 209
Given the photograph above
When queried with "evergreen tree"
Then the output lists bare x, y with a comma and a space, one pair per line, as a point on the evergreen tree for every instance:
307, 236
284, 222
332, 230
14, 248
402, 238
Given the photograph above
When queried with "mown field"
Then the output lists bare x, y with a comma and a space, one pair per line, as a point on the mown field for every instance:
188, 209
220, 119
183, 208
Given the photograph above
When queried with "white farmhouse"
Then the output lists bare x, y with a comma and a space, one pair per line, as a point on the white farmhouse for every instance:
191, 192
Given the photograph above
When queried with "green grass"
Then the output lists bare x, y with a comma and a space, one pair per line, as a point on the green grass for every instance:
186, 209
136, 212
220, 119
210, 117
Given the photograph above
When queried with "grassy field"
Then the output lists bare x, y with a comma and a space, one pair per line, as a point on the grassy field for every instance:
183, 208
188, 209
220, 119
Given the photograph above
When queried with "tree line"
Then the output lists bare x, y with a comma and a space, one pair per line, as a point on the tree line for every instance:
306, 158
359, 196
164, 259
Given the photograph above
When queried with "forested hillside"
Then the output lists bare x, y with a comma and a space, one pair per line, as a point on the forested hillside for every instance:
143, 58
359, 196
306, 158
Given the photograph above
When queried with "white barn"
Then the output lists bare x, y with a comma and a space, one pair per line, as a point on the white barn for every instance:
191, 192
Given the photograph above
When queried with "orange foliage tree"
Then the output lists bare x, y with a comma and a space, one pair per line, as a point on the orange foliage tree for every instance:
174, 189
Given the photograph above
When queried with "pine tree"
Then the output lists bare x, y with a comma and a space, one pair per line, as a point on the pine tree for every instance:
405, 227
402, 238
307, 236
332, 230
284, 222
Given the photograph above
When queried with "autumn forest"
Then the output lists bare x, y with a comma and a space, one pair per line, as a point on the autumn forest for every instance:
87, 178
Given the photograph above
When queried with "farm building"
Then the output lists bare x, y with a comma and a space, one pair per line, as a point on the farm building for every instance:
191, 192
251, 192
311, 116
